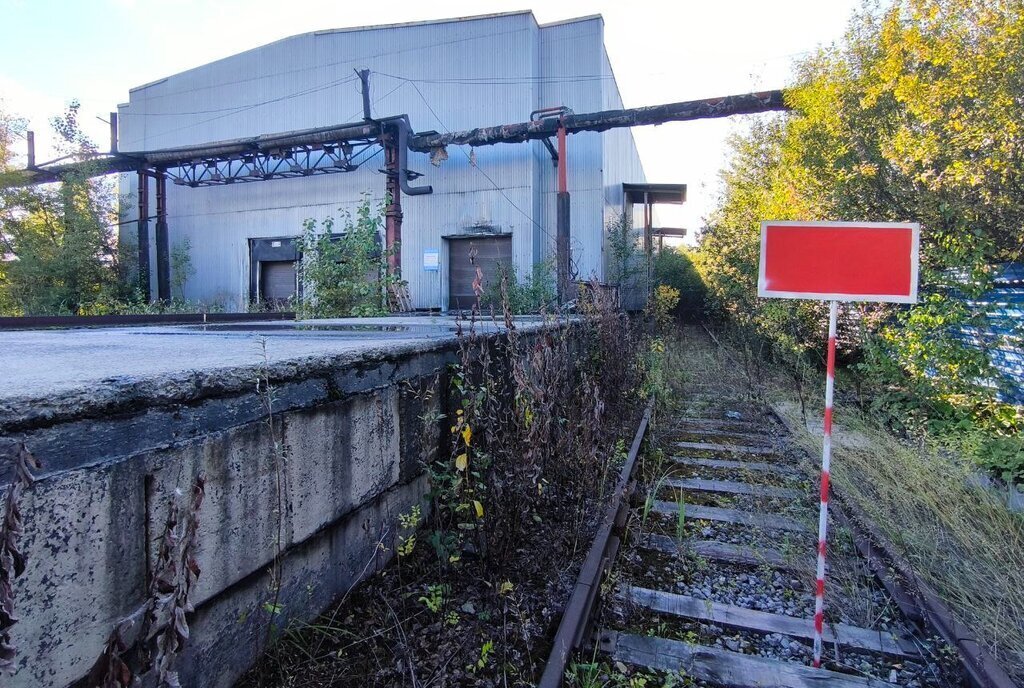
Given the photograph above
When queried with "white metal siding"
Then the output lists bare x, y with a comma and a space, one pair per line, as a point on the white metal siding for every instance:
570, 60
303, 82
621, 158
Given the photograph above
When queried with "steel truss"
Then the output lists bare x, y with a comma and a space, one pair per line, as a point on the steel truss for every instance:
294, 161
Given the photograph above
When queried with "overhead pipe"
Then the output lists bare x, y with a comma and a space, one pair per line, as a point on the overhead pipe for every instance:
707, 108
394, 134
401, 124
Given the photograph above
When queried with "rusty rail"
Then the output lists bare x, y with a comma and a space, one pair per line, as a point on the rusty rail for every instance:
576, 619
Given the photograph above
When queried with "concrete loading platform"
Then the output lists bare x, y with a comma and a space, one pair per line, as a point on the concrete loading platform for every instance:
123, 419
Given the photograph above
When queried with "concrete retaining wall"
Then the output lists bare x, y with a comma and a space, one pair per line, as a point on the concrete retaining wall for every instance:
354, 437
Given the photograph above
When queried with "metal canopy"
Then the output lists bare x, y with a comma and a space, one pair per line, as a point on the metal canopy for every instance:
655, 193
668, 231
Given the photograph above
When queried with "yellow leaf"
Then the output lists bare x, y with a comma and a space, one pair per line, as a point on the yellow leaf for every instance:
506, 587
461, 461
467, 434
479, 509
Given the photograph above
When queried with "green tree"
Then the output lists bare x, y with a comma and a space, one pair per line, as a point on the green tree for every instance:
915, 115
673, 267
60, 251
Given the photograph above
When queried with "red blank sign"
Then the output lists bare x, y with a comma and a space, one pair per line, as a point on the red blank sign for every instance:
840, 261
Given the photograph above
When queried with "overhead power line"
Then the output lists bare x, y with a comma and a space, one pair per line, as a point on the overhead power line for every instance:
473, 163
322, 87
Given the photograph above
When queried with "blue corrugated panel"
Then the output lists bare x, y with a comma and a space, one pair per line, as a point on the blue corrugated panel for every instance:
1003, 336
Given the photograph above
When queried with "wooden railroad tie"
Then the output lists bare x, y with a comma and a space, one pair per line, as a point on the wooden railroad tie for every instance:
746, 518
730, 487
725, 668
726, 448
764, 622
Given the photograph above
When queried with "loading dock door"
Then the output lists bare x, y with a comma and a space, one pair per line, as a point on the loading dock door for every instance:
277, 280
490, 252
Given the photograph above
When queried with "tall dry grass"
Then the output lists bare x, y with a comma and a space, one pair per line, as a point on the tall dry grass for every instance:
959, 538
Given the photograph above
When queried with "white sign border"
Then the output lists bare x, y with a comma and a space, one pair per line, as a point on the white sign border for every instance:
914, 227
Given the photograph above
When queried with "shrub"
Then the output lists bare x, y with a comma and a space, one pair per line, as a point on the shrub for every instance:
532, 295
344, 274
673, 267
534, 421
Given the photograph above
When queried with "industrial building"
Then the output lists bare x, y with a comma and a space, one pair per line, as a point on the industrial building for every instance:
445, 75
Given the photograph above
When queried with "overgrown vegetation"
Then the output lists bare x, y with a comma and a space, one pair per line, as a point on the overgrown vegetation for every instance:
60, 250
625, 257
914, 115
532, 426
344, 273
673, 267
960, 538
537, 440
151, 655
533, 294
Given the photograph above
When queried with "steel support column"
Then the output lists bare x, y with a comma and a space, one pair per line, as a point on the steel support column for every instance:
648, 240
393, 213
163, 248
563, 216
143, 235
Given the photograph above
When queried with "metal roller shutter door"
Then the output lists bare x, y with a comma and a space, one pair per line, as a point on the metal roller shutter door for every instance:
277, 280
461, 272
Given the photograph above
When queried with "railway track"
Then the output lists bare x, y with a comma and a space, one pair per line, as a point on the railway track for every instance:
703, 573
716, 580
705, 570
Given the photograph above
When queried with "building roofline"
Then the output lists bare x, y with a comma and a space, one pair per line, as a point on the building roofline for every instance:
573, 20
327, 32
421, 22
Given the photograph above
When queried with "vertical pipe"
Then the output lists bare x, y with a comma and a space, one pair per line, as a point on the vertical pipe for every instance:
163, 249
113, 133
393, 213
563, 218
826, 459
648, 240
563, 183
364, 79
31, 137
143, 235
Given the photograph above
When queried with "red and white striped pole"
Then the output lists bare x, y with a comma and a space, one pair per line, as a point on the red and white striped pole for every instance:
826, 458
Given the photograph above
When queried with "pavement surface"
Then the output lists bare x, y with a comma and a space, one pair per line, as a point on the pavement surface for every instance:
43, 364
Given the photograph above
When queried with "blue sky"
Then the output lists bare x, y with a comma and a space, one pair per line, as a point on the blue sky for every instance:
95, 50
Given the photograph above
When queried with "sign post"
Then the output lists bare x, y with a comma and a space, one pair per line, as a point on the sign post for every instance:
836, 261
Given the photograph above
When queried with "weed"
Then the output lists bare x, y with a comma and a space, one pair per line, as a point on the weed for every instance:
680, 518
12, 561
485, 655
408, 523
434, 599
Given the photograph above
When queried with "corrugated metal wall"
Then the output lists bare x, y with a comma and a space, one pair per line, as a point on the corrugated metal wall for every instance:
1003, 337
571, 63
445, 76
